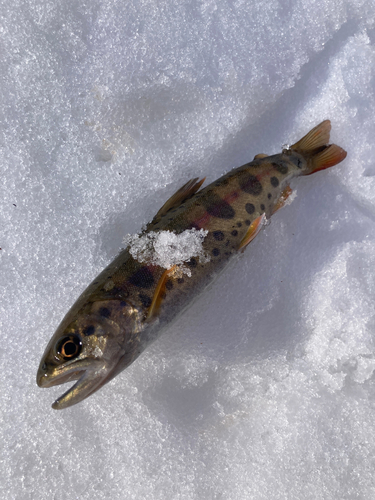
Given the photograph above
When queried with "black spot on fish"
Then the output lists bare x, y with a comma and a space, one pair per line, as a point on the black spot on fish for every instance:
218, 235
234, 232
247, 222
262, 207
169, 285
274, 181
123, 303
89, 330
142, 278
239, 224
105, 312
217, 207
250, 184
145, 299
180, 280
250, 209
283, 169
215, 252
269, 196
192, 262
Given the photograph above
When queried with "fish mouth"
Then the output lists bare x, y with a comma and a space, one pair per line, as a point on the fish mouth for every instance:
90, 377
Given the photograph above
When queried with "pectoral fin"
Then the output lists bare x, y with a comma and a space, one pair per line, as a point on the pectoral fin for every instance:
159, 293
253, 230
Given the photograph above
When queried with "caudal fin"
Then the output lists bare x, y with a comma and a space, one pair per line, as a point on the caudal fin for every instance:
314, 147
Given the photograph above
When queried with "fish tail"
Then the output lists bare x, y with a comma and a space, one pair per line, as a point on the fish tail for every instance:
315, 149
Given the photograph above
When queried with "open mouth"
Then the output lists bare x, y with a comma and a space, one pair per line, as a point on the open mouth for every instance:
90, 377
59, 378
82, 389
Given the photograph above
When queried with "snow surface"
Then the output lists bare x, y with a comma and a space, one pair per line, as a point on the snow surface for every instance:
265, 387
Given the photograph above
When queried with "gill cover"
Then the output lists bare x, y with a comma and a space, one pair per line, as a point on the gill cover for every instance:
90, 347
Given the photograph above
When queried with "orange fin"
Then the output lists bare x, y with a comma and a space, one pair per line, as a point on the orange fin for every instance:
159, 292
329, 157
260, 155
184, 193
315, 149
316, 138
253, 230
282, 200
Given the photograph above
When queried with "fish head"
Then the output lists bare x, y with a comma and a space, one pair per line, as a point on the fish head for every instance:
91, 346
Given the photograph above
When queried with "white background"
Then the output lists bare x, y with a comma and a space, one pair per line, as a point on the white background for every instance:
264, 388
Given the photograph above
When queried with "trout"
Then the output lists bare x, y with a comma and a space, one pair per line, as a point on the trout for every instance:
136, 297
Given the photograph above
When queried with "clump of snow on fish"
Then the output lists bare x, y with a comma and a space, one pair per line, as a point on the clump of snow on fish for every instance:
167, 249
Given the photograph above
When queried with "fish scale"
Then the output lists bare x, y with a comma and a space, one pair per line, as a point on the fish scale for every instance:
131, 302
198, 214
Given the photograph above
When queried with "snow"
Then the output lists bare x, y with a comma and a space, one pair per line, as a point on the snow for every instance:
265, 387
166, 249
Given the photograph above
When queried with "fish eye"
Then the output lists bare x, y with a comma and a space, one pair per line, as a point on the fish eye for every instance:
68, 347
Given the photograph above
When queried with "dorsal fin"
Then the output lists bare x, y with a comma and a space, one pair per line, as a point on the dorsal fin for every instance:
184, 193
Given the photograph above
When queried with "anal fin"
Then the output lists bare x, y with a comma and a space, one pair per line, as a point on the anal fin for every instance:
253, 230
159, 293
282, 200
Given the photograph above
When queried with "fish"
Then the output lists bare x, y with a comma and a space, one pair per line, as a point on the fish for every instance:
135, 298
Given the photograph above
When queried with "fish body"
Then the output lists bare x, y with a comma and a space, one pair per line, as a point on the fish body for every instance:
132, 301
